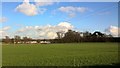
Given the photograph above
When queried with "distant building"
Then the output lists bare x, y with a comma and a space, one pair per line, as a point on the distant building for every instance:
33, 42
44, 42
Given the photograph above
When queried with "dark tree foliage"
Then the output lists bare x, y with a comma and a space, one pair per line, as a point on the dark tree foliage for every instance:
72, 36
69, 37
17, 39
7, 39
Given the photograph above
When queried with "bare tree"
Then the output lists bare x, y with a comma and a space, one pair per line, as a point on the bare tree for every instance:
60, 34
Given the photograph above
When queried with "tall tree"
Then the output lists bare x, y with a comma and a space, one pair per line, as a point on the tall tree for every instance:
7, 39
25, 39
17, 39
72, 36
60, 34
98, 34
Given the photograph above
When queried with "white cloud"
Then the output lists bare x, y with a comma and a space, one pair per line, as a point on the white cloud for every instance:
3, 34
27, 8
3, 19
31, 9
65, 25
115, 31
81, 9
51, 34
47, 31
71, 10
68, 9
3, 31
6, 28
44, 2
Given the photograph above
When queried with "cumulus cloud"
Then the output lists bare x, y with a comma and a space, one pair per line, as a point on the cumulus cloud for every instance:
29, 9
3, 19
32, 9
47, 31
115, 31
65, 25
71, 10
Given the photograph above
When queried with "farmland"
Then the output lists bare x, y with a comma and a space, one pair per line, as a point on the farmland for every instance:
67, 54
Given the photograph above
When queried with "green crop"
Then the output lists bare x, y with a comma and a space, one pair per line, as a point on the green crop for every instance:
67, 54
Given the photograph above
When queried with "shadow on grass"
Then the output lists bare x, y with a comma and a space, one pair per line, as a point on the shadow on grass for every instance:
94, 66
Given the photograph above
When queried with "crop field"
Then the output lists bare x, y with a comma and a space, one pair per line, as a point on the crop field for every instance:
67, 54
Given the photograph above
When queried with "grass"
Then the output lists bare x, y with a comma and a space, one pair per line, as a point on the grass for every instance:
68, 54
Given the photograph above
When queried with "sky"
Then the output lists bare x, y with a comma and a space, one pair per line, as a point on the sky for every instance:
44, 19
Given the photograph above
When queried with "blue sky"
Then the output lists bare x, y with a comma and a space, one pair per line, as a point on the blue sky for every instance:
84, 16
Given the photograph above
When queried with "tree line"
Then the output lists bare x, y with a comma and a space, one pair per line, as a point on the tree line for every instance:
68, 37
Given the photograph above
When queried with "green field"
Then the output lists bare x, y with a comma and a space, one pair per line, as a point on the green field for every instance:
68, 54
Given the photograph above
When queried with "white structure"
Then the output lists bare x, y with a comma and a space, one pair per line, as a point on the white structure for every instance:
45, 42
33, 42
